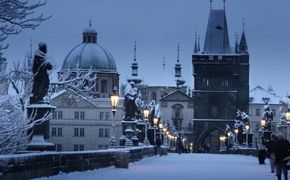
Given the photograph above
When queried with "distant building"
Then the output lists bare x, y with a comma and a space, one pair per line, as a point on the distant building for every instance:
221, 81
258, 98
167, 90
83, 121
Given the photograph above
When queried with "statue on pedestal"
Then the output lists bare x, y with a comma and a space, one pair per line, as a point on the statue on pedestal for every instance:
40, 76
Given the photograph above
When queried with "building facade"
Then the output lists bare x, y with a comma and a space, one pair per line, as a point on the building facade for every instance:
221, 81
83, 117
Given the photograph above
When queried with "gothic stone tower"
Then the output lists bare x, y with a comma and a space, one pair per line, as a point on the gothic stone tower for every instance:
221, 81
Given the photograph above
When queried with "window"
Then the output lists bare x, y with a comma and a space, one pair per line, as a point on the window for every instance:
101, 115
82, 132
53, 131
59, 131
76, 131
82, 115
210, 57
153, 96
101, 132
274, 112
81, 147
59, 114
103, 86
107, 115
77, 115
107, 132
257, 112
58, 147
100, 146
106, 146
54, 114
76, 147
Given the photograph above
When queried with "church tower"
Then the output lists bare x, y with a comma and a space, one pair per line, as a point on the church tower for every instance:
221, 79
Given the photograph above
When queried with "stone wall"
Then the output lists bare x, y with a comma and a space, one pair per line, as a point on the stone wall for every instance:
34, 165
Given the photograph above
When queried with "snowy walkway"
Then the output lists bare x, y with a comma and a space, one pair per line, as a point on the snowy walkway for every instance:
182, 167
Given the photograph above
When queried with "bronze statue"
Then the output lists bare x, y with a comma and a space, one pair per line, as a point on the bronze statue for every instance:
40, 75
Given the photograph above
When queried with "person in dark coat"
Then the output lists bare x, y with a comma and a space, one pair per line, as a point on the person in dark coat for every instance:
281, 150
270, 152
40, 75
179, 145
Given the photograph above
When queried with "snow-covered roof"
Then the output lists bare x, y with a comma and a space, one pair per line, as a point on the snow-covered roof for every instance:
259, 95
164, 77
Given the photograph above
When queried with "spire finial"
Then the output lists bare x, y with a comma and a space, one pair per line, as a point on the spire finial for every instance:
90, 23
195, 43
198, 43
224, 4
210, 4
243, 20
135, 48
163, 62
178, 49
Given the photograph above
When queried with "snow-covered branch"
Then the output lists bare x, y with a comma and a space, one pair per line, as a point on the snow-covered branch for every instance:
16, 15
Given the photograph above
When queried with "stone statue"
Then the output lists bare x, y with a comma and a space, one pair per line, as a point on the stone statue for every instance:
40, 75
131, 95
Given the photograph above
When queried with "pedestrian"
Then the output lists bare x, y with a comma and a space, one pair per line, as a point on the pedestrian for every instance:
261, 149
158, 145
179, 145
270, 152
282, 152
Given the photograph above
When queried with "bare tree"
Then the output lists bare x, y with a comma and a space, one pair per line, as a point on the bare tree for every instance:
16, 15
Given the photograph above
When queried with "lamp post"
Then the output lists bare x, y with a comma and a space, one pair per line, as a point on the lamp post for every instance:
114, 103
247, 127
236, 139
222, 141
228, 143
155, 122
146, 114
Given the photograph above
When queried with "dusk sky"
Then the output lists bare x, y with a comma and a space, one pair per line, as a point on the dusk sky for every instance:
157, 26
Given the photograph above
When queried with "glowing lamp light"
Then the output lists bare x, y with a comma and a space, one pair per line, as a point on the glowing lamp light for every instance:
114, 100
287, 114
155, 120
263, 122
236, 131
146, 113
247, 127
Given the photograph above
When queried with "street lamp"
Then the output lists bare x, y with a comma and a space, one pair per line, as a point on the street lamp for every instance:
114, 102
146, 115
287, 115
263, 122
247, 127
236, 132
155, 122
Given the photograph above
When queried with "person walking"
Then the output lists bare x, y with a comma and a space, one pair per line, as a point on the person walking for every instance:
282, 152
261, 148
270, 152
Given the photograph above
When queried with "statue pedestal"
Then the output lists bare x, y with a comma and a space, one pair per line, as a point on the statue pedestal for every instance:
40, 131
129, 134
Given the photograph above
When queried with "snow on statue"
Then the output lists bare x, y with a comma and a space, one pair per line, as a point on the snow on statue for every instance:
131, 94
40, 76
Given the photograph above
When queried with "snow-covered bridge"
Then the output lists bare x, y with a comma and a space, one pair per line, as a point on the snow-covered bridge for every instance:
184, 167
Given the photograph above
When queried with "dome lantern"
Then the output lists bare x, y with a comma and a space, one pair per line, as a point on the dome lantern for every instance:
90, 35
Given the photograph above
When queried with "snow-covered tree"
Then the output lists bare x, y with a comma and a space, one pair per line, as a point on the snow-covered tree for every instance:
14, 123
242, 119
268, 116
16, 15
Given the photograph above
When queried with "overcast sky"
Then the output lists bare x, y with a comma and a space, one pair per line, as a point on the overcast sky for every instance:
157, 26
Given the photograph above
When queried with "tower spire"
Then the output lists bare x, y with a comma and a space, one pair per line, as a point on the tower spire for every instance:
198, 43
243, 47
195, 43
210, 4
178, 46
236, 43
135, 48
134, 68
224, 4
163, 62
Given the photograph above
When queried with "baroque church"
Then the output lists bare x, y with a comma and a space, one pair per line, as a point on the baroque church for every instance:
221, 81
83, 119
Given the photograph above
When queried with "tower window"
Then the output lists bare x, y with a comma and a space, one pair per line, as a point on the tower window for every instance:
103, 86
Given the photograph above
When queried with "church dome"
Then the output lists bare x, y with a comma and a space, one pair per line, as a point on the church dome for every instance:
89, 54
